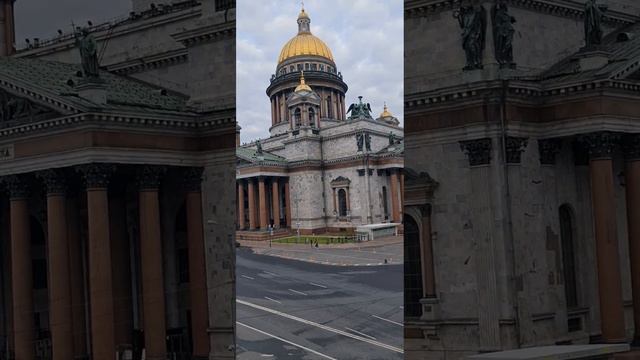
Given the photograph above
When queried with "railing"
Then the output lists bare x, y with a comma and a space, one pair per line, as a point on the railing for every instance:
108, 25
178, 345
43, 349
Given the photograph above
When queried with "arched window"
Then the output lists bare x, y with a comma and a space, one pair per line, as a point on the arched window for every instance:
412, 269
297, 115
312, 117
568, 255
342, 202
329, 112
385, 203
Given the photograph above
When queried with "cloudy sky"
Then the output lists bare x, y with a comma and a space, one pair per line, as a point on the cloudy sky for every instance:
365, 36
43, 18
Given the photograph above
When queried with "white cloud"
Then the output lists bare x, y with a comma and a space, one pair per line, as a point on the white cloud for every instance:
365, 36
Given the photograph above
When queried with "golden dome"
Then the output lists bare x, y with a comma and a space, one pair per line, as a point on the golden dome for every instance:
386, 112
304, 43
303, 86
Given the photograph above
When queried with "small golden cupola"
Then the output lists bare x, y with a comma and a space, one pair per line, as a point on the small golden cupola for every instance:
386, 112
387, 117
303, 85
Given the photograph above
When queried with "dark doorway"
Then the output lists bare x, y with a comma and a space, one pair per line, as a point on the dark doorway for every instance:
412, 269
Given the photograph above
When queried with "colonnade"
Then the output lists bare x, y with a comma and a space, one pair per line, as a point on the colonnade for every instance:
333, 109
109, 317
263, 201
602, 147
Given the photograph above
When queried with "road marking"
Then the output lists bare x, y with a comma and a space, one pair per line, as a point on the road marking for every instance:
247, 277
387, 320
274, 300
324, 327
298, 292
266, 355
318, 285
401, 307
270, 273
359, 333
287, 341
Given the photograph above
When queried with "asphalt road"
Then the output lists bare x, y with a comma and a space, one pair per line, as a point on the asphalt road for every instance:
290, 309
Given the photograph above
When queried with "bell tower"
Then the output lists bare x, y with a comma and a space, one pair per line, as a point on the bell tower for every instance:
7, 28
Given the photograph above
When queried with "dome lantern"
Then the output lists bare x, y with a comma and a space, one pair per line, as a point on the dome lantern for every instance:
304, 43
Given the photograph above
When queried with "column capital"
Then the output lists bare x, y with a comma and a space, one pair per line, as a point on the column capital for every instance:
149, 177
96, 175
515, 147
601, 145
478, 151
631, 146
548, 150
54, 181
16, 186
192, 179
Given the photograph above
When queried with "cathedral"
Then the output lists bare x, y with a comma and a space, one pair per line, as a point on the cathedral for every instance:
523, 140
327, 166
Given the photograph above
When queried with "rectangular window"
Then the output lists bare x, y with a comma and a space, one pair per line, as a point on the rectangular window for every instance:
314, 67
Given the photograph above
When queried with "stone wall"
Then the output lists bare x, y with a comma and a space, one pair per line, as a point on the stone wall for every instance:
470, 203
435, 56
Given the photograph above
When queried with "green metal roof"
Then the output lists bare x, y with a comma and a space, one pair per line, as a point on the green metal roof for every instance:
122, 92
252, 156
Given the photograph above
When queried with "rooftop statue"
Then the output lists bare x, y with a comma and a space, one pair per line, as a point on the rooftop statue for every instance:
88, 53
593, 14
360, 110
503, 32
473, 22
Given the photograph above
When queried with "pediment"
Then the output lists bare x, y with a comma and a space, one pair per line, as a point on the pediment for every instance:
17, 110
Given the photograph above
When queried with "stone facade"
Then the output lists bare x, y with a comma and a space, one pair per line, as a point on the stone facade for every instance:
530, 238
145, 155
332, 172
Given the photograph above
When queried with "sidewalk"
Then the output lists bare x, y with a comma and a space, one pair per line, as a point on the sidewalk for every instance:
383, 251
390, 240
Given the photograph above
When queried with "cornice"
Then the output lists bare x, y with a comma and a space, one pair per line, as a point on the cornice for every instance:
207, 33
124, 121
563, 8
142, 64
534, 91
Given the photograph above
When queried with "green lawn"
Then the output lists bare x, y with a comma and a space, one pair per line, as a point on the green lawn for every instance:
321, 240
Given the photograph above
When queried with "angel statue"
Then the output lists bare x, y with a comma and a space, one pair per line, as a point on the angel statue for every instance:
360, 110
